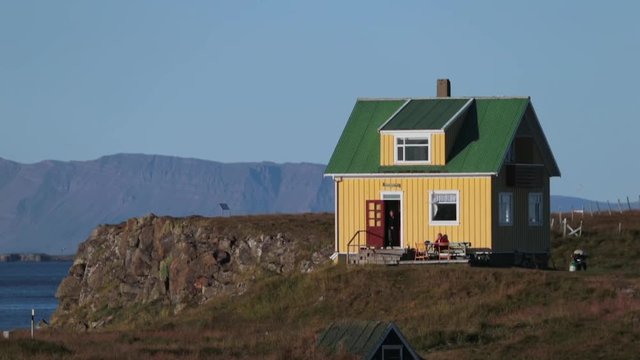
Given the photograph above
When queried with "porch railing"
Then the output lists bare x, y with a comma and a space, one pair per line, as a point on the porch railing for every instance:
358, 244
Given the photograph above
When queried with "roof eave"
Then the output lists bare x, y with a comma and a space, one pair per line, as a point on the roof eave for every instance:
412, 174
556, 168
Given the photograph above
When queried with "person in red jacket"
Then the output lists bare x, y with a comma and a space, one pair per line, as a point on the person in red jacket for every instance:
442, 242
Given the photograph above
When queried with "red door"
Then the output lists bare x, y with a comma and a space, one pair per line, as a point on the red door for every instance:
375, 223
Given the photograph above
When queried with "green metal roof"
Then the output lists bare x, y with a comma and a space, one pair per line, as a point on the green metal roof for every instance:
355, 337
425, 114
358, 150
486, 134
480, 146
360, 337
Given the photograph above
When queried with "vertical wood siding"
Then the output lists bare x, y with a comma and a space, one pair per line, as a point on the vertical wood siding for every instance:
475, 208
438, 149
387, 149
520, 236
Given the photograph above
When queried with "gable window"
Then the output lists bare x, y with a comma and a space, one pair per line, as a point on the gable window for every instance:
505, 208
445, 207
391, 352
535, 208
412, 149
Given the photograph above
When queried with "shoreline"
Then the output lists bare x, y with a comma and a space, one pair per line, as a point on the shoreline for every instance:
34, 257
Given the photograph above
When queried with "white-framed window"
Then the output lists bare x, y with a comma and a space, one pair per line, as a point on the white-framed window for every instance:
444, 207
535, 209
505, 208
413, 149
391, 352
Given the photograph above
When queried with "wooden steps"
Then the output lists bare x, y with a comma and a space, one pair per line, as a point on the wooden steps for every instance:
376, 256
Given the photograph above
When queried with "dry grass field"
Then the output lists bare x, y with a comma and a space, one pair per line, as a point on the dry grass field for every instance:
445, 311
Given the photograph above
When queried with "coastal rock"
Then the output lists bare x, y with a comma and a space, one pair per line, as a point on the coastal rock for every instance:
165, 265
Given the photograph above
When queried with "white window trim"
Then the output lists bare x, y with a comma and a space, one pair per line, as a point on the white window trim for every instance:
444, 222
500, 210
392, 347
393, 194
412, 135
541, 222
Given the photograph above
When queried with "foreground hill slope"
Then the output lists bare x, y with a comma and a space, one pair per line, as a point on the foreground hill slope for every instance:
445, 311
51, 206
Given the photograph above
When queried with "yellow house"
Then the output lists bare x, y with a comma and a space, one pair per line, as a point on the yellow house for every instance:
474, 168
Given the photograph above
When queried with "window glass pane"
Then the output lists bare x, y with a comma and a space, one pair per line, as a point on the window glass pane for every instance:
506, 208
535, 209
392, 354
399, 141
417, 141
444, 212
400, 153
416, 153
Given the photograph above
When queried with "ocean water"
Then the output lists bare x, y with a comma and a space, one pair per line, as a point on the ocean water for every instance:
29, 285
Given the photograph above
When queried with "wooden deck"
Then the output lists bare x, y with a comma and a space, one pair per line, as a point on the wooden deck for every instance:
433, 262
394, 256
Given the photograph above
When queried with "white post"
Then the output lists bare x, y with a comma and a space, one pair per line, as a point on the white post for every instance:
33, 317
580, 234
564, 228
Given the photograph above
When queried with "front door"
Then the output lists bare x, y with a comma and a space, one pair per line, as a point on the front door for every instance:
375, 223
392, 223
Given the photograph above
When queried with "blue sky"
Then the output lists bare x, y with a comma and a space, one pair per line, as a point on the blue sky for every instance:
276, 80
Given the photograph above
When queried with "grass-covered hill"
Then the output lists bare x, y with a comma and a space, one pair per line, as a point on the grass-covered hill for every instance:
446, 312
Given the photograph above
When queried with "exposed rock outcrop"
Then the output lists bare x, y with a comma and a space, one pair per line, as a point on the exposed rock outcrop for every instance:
173, 263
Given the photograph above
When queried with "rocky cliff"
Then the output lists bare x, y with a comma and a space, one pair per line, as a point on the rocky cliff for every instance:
160, 265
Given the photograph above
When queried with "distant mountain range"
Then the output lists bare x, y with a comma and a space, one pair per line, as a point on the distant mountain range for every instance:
569, 203
51, 206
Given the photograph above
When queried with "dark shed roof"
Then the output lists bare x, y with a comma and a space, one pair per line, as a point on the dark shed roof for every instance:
425, 114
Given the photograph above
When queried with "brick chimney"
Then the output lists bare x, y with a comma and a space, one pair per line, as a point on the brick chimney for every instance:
444, 88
